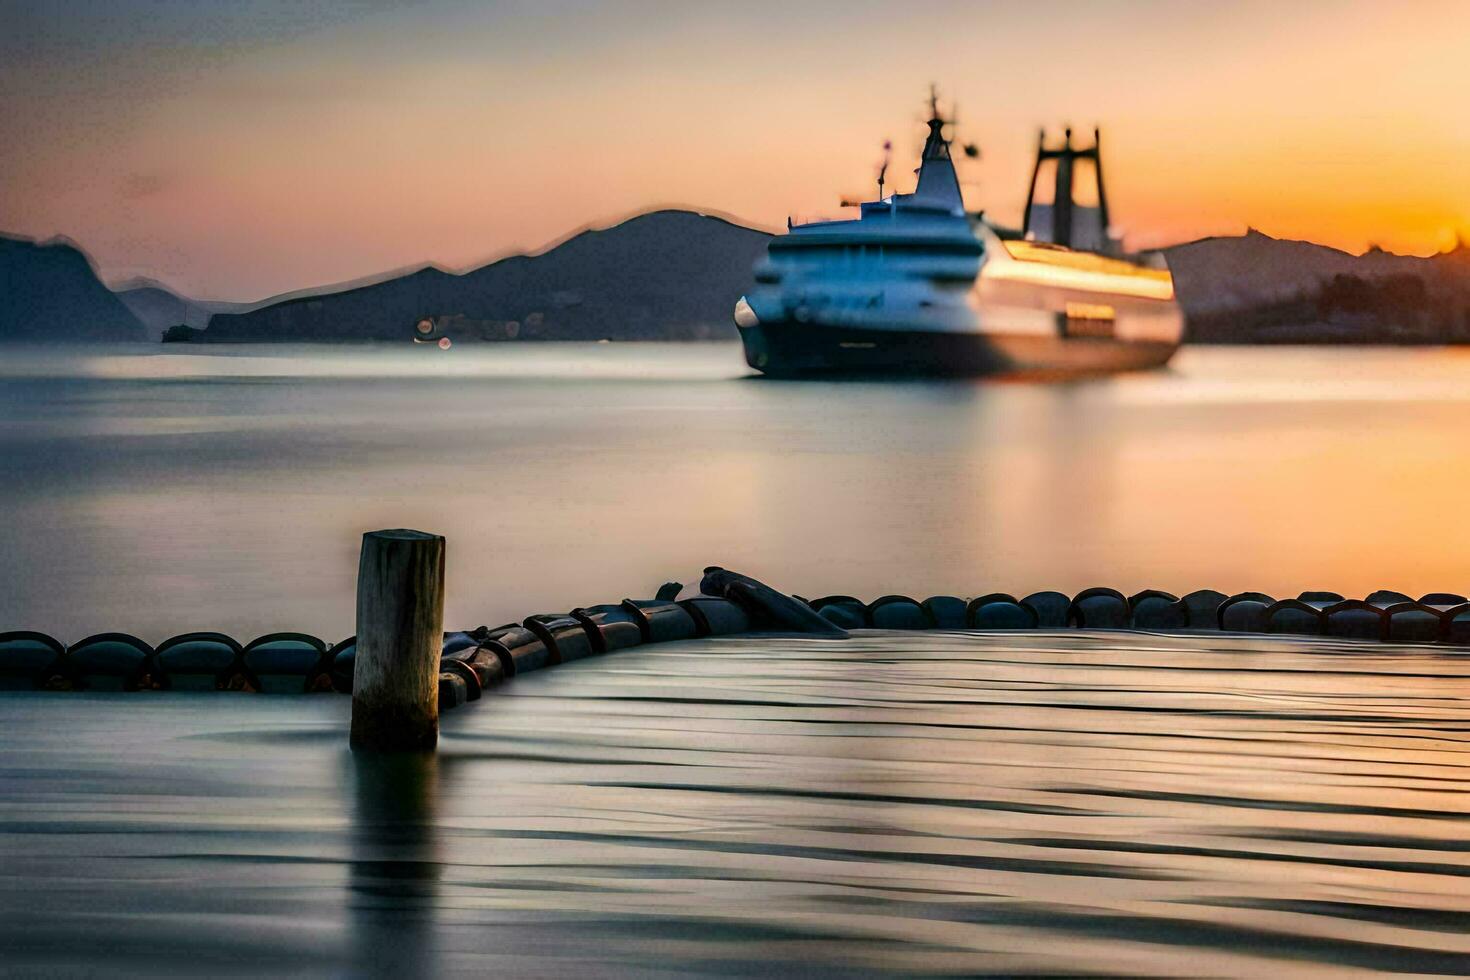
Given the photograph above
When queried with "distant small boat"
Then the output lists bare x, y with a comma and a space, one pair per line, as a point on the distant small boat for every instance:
915, 285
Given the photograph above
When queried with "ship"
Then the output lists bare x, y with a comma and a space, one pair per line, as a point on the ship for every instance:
916, 285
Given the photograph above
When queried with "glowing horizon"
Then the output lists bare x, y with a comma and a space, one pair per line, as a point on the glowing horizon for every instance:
240, 151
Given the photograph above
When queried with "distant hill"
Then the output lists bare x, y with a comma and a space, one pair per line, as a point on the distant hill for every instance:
50, 293
665, 275
1258, 289
1239, 271
160, 307
675, 275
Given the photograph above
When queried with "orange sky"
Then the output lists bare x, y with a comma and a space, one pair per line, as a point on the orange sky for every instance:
240, 150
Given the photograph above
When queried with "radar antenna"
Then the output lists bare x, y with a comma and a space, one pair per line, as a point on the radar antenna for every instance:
972, 150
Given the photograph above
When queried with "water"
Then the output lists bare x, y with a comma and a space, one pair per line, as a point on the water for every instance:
1027, 804
158, 490
1042, 804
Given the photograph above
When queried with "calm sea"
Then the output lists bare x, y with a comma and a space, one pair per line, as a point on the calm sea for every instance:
1018, 805
158, 490
1097, 804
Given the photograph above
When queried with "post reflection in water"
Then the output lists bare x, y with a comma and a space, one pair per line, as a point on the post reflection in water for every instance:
393, 881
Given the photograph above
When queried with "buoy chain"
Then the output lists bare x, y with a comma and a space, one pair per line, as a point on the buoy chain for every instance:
474, 660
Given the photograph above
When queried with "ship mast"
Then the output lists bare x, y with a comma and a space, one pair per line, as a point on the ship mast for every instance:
883, 168
939, 185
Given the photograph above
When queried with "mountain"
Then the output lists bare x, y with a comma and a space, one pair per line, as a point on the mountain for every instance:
1237, 271
50, 293
160, 307
1258, 289
665, 275
675, 275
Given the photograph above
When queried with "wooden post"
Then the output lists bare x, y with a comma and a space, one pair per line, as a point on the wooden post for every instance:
400, 634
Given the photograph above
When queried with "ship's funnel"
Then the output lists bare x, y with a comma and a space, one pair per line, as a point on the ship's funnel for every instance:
1064, 221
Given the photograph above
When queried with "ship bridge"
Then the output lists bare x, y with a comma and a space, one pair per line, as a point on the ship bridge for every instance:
925, 234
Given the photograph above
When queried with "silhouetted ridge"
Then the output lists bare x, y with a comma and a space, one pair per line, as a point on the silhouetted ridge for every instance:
675, 275
49, 292
160, 307
665, 275
1258, 289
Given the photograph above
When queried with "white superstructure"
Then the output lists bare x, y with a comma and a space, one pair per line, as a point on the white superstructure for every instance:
917, 284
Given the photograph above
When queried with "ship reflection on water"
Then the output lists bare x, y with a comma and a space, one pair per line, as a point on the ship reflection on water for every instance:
921, 803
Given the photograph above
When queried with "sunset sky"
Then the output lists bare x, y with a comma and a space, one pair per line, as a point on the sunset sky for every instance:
243, 149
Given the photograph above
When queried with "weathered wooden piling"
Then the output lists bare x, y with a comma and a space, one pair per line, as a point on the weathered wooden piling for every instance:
400, 630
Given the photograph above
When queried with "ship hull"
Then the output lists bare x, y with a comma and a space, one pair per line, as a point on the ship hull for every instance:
792, 350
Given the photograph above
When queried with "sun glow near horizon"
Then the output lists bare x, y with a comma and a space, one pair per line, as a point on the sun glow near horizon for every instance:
260, 150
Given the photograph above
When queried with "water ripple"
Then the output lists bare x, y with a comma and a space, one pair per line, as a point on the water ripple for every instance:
1018, 805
